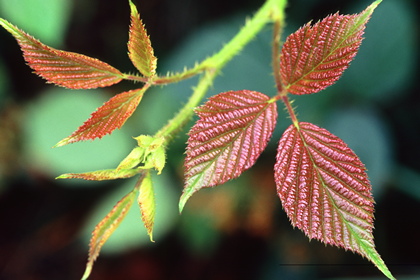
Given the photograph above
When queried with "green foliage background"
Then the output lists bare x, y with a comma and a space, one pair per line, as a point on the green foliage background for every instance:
237, 230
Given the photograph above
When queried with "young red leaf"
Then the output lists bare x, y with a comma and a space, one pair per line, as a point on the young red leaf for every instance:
107, 118
67, 69
233, 129
325, 191
140, 48
147, 203
100, 175
106, 227
314, 57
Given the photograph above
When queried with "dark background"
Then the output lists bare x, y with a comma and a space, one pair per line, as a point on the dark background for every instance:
237, 231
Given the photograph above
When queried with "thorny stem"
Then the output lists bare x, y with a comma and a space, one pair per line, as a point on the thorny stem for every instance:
272, 10
185, 114
282, 93
277, 30
288, 103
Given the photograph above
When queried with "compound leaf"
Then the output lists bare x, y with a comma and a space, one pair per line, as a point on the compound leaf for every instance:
106, 227
107, 118
233, 129
67, 69
325, 190
314, 57
140, 48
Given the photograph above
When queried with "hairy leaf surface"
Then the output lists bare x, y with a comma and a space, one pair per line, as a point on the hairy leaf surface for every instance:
107, 118
314, 57
233, 129
147, 203
325, 190
67, 69
106, 227
140, 48
100, 175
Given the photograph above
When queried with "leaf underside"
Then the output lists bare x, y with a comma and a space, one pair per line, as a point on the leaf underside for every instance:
140, 48
106, 227
325, 190
67, 69
314, 57
233, 129
110, 116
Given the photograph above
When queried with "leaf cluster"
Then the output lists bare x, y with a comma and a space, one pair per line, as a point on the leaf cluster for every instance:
322, 184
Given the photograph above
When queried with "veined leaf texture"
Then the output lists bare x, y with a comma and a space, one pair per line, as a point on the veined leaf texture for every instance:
106, 227
140, 48
325, 191
321, 183
67, 69
107, 118
315, 56
147, 203
233, 129
323, 186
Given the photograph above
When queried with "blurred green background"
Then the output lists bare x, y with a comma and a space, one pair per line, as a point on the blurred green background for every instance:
235, 231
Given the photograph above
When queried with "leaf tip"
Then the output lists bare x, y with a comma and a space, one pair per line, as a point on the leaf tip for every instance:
373, 6
63, 142
133, 7
63, 176
87, 272
183, 200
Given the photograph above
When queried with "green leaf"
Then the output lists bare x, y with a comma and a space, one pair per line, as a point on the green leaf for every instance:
67, 69
133, 159
325, 191
147, 203
106, 227
110, 116
153, 152
140, 48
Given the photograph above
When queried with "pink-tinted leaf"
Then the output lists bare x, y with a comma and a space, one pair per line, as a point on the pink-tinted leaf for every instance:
100, 175
233, 129
140, 48
325, 191
147, 203
314, 57
107, 118
106, 227
67, 69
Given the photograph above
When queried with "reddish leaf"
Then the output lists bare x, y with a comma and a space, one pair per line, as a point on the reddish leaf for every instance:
314, 57
140, 48
106, 227
67, 69
100, 175
325, 191
107, 118
233, 129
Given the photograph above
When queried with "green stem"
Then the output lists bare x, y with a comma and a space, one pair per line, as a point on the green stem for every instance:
185, 114
271, 10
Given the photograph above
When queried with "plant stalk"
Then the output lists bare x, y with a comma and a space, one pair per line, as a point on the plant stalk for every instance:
271, 10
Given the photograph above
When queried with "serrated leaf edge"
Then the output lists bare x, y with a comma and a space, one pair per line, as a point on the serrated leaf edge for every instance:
139, 42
